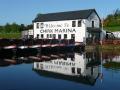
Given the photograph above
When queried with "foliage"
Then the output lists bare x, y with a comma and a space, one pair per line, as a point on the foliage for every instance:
113, 19
10, 35
112, 28
14, 28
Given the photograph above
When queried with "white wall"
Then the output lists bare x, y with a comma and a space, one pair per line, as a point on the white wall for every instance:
80, 32
51, 27
30, 32
95, 18
62, 66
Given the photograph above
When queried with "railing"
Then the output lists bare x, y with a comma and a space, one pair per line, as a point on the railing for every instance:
30, 42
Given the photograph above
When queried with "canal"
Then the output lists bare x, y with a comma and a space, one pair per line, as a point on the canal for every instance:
74, 70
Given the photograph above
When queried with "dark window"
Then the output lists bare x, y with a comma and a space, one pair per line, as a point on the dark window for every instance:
37, 65
79, 23
93, 24
59, 36
48, 35
41, 25
78, 70
42, 36
37, 36
37, 25
73, 23
54, 36
65, 36
73, 70
72, 36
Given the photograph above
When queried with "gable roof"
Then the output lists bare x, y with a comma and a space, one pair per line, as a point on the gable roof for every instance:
70, 15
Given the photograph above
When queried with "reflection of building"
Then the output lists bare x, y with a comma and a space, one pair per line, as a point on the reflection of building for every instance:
77, 69
80, 25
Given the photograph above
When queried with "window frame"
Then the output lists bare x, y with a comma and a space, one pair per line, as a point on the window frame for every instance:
37, 25
65, 36
73, 23
42, 36
79, 23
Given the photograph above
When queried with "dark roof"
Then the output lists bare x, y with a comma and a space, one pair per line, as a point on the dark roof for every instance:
70, 15
78, 79
90, 29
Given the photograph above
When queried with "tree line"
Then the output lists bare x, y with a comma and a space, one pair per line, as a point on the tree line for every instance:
112, 19
14, 28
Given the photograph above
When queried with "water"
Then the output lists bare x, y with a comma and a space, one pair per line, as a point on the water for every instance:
61, 71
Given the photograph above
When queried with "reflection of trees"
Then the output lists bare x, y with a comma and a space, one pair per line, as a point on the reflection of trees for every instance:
112, 65
93, 58
111, 60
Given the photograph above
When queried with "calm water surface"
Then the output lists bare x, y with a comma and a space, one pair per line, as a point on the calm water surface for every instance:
61, 71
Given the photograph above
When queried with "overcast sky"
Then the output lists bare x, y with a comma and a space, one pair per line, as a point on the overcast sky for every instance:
24, 11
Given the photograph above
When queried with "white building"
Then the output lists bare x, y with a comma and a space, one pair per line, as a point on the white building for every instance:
79, 25
27, 34
116, 34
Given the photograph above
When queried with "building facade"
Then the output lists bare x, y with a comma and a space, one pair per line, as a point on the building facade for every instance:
80, 25
27, 34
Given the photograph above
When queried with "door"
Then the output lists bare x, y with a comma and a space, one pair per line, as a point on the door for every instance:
92, 24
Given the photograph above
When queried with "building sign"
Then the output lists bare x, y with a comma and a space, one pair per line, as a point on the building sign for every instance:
58, 31
45, 25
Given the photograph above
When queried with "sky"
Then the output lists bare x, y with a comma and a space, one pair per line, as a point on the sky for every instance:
24, 11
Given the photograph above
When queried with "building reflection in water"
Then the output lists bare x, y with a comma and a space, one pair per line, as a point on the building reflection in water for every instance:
81, 68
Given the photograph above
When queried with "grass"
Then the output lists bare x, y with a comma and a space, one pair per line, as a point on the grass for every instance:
10, 35
112, 29
103, 48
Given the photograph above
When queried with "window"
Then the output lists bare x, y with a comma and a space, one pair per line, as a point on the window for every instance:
37, 65
54, 36
65, 36
59, 36
79, 23
79, 70
73, 23
73, 70
72, 36
37, 25
92, 24
42, 36
48, 35
41, 25
37, 36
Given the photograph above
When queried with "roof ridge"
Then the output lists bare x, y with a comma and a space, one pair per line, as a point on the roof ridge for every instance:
67, 11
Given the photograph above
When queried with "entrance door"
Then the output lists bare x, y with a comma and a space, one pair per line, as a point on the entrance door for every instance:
92, 24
